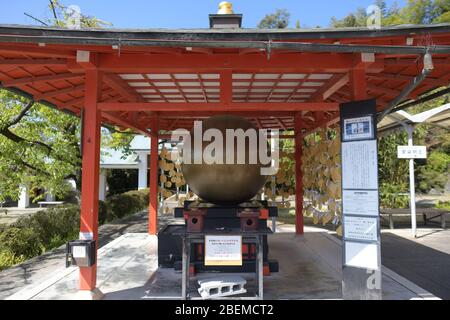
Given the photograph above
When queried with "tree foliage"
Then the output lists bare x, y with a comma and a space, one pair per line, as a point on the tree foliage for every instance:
277, 20
61, 13
415, 12
392, 172
39, 145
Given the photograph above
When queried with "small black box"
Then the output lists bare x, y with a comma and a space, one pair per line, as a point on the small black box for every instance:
81, 253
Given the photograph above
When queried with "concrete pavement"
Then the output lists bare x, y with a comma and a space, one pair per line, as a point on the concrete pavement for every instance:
424, 261
38, 268
128, 270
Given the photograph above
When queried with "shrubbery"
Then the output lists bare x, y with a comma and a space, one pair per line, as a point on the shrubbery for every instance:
35, 234
434, 174
126, 203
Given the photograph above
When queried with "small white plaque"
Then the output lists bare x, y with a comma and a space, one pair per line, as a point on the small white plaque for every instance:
360, 202
361, 255
412, 152
86, 236
223, 250
79, 251
358, 128
360, 228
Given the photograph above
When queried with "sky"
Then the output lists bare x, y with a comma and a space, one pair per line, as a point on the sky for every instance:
185, 14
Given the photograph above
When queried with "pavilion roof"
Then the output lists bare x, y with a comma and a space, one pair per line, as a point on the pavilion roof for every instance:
183, 75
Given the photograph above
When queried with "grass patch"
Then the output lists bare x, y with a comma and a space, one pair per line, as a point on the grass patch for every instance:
445, 205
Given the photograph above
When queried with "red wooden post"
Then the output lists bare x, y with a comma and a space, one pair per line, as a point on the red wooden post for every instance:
226, 87
298, 176
90, 170
153, 207
358, 81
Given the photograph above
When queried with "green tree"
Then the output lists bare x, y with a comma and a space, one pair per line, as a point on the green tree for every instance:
61, 13
39, 145
277, 20
414, 12
434, 174
393, 173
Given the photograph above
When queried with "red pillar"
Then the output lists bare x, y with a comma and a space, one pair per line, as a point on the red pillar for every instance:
299, 223
358, 83
90, 170
153, 206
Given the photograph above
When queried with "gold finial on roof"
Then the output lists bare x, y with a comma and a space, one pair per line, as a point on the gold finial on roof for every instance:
225, 7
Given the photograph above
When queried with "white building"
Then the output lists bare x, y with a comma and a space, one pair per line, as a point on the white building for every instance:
111, 159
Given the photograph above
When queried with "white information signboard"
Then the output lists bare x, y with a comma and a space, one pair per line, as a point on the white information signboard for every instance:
361, 228
359, 165
223, 250
412, 152
360, 202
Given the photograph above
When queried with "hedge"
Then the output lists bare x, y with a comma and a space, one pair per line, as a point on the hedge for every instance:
44, 230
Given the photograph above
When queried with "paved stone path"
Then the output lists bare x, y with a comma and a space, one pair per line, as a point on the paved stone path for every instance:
38, 268
424, 261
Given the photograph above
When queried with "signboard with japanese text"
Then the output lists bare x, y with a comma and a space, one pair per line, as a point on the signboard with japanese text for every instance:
223, 250
360, 203
412, 152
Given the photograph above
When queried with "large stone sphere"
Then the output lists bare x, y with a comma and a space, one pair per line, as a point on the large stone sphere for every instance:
225, 184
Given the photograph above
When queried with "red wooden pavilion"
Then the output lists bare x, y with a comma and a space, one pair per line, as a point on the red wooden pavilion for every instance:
154, 81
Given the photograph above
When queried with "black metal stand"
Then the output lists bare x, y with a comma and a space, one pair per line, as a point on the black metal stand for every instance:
255, 237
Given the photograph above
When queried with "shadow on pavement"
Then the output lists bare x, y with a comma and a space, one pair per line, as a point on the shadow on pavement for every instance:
424, 266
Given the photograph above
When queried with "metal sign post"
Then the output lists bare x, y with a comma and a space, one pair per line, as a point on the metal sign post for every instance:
412, 152
361, 255
412, 188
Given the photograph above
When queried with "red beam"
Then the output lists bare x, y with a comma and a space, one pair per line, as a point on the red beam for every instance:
36, 51
439, 63
290, 62
121, 87
405, 78
226, 87
58, 92
37, 79
32, 62
122, 122
77, 101
384, 90
219, 107
325, 123
206, 114
335, 83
